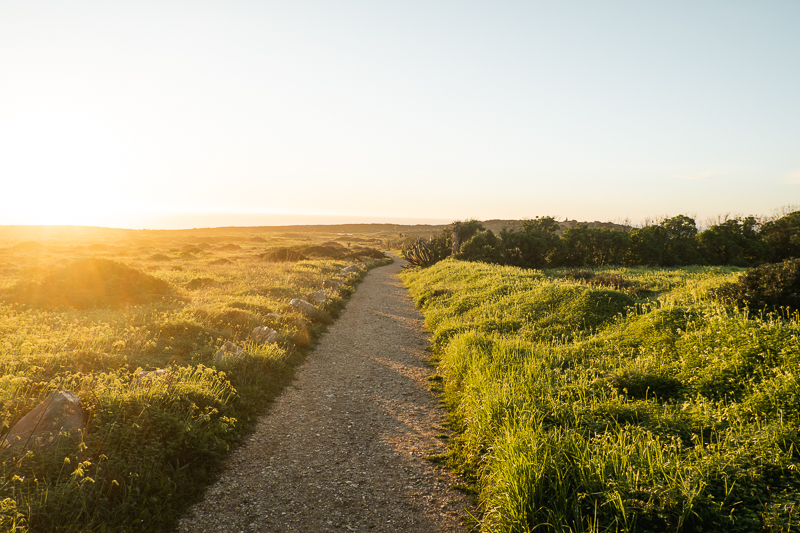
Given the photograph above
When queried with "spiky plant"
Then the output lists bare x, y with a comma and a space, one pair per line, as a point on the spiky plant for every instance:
419, 254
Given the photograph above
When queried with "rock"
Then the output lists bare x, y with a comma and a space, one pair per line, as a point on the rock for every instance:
262, 334
318, 297
301, 338
332, 283
353, 268
274, 317
147, 376
228, 351
311, 312
59, 414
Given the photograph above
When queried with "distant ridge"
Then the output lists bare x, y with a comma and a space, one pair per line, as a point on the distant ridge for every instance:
10, 235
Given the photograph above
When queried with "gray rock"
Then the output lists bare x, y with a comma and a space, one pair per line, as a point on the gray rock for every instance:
319, 297
311, 312
147, 376
353, 268
59, 414
332, 284
228, 351
262, 334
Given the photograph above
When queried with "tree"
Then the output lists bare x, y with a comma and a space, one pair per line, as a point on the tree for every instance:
783, 236
483, 246
610, 246
536, 246
733, 242
647, 246
585, 246
578, 245
680, 245
463, 231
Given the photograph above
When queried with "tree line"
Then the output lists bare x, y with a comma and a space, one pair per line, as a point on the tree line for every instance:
676, 241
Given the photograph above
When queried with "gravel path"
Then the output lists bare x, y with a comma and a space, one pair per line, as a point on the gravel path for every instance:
342, 449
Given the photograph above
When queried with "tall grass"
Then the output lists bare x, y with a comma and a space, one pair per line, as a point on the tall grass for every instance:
578, 408
152, 441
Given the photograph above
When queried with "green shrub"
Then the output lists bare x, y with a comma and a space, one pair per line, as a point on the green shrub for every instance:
484, 246
770, 287
419, 254
783, 236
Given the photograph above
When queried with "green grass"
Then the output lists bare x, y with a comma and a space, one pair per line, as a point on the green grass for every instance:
578, 408
89, 317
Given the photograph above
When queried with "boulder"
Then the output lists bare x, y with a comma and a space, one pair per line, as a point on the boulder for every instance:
147, 376
59, 414
332, 284
262, 334
311, 312
319, 297
352, 269
229, 350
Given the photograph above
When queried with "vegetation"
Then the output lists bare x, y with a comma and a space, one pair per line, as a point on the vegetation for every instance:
543, 243
774, 288
621, 399
419, 254
130, 321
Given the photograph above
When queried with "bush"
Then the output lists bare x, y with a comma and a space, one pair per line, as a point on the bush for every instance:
283, 255
89, 283
483, 246
783, 236
768, 286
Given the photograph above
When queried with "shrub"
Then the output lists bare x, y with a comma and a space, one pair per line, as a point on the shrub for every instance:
768, 286
419, 254
200, 283
783, 236
229, 320
283, 255
484, 246
89, 283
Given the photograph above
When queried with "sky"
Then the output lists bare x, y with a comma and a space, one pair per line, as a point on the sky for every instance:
217, 113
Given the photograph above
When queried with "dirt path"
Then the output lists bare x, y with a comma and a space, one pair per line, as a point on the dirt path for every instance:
342, 448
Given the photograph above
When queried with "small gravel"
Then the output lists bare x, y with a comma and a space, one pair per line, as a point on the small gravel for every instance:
343, 448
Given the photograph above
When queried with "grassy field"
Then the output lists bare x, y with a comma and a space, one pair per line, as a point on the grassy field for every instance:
619, 400
88, 309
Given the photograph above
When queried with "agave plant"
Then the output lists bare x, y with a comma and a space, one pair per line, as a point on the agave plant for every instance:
419, 254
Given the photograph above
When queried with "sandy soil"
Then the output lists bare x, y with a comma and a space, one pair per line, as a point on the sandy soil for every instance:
343, 448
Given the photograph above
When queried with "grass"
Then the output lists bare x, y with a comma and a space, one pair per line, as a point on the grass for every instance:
90, 311
581, 408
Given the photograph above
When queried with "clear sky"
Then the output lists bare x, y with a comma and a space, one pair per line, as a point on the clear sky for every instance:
145, 113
